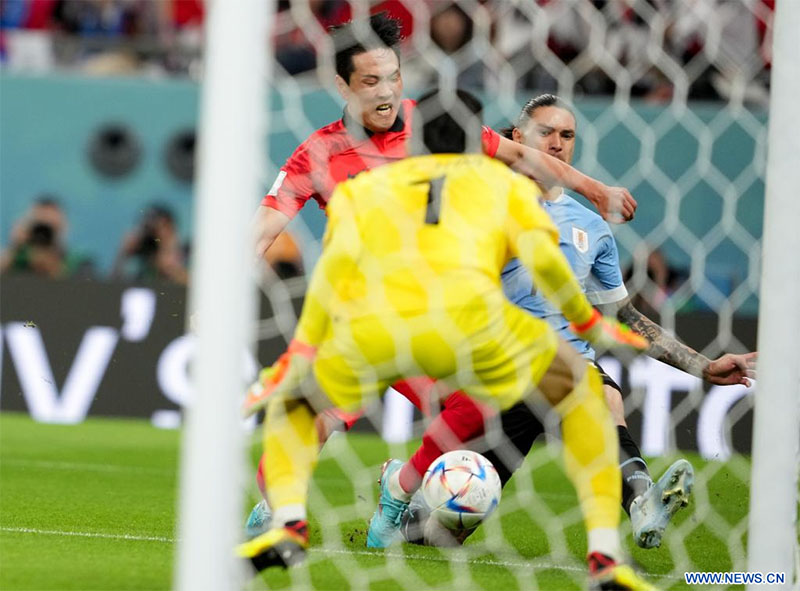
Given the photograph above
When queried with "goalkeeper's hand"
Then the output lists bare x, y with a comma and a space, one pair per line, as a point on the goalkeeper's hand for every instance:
607, 334
286, 374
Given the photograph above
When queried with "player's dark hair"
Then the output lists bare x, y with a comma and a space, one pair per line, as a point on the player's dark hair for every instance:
47, 200
158, 211
353, 38
543, 100
507, 132
450, 122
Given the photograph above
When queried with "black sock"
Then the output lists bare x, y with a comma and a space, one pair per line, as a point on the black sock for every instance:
635, 475
298, 526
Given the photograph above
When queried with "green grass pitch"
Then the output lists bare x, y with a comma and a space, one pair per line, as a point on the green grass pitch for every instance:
93, 506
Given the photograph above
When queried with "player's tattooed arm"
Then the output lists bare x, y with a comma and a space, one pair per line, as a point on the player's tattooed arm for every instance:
730, 369
663, 346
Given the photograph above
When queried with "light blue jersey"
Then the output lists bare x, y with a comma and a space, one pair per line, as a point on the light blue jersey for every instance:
587, 242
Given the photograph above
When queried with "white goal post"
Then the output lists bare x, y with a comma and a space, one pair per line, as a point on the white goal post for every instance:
222, 299
222, 295
772, 542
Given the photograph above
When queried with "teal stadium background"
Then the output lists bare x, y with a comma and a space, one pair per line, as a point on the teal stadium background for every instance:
696, 172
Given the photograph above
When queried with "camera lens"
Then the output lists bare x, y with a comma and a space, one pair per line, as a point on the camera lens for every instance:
148, 245
41, 235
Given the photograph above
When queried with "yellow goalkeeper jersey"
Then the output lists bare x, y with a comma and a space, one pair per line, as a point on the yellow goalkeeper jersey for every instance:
432, 233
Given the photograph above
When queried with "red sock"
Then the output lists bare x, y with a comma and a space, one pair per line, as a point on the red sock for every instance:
461, 419
262, 485
417, 390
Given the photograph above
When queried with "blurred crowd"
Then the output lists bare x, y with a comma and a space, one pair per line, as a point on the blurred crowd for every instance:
150, 251
703, 49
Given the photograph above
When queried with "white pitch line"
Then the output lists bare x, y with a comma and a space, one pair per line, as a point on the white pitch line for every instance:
87, 534
85, 466
449, 559
327, 551
533, 564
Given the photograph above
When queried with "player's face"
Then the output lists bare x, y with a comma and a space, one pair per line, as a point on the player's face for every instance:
552, 130
374, 90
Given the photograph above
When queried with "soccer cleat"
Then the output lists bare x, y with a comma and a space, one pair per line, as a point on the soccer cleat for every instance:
417, 526
436, 534
281, 546
384, 527
258, 521
605, 574
651, 512
414, 519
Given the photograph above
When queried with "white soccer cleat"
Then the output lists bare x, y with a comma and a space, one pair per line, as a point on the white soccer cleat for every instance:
652, 511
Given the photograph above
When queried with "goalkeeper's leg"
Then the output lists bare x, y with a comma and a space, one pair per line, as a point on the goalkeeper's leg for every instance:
591, 446
291, 447
326, 422
591, 457
515, 354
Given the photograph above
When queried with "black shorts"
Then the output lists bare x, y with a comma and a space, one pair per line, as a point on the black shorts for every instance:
521, 427
605, 377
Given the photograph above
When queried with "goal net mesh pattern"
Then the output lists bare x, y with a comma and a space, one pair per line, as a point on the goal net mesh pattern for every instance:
671, 103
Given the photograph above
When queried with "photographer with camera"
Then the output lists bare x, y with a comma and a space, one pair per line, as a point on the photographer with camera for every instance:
38, 244
152, 250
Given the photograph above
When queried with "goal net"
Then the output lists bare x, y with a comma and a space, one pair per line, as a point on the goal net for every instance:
670, 100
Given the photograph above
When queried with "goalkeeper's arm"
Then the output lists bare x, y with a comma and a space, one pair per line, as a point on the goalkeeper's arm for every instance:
314, 323
339, 253
552, 274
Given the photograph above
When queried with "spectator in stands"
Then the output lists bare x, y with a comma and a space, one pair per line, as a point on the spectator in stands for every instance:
38, 244
566, 33
109, 37
451, 31
294, 49
180, 35
284, 256
722, 41
25, 41
653, 282
152, 250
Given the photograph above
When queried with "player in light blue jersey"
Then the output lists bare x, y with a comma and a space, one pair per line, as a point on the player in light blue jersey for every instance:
586, 240
548, 124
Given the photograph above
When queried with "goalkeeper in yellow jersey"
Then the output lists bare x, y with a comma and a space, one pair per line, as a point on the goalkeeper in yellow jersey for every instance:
409, 284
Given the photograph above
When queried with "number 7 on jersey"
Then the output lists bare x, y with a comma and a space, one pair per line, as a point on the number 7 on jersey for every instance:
434, 205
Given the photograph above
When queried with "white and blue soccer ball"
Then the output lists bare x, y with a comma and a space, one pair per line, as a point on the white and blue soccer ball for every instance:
461, 489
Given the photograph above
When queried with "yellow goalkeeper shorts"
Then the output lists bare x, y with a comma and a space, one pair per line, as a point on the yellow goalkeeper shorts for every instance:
490, 349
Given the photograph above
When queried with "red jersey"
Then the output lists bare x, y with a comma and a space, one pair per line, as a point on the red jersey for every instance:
340, 151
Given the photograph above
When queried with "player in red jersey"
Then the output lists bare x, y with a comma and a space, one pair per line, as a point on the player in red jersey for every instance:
374, 130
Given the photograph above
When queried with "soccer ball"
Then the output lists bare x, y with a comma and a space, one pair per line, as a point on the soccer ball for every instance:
461, 489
